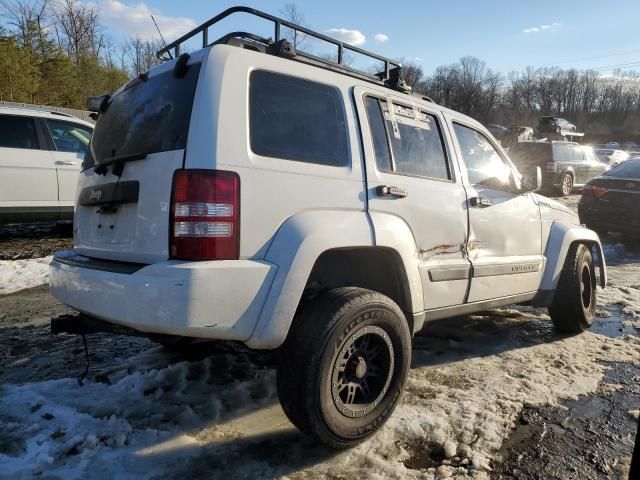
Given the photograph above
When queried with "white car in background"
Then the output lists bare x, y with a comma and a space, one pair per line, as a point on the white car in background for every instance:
611, 156
41, 154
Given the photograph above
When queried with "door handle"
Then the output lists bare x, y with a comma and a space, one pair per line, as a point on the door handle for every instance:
66, 162
480, 202
390, 191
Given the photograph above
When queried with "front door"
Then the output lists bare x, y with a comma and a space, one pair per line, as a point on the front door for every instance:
70, 141
505, 246
28, 184
411, 177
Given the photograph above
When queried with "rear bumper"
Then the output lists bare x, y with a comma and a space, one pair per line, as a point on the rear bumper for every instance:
216, 299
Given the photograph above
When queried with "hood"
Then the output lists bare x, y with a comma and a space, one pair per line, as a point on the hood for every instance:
552, 209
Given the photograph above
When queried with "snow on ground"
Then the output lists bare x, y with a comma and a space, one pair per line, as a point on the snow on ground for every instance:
18, 274
218, 417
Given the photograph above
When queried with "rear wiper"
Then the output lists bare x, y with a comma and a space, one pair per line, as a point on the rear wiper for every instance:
118, 163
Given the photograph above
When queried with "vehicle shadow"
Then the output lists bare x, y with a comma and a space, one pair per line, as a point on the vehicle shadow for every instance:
485, 333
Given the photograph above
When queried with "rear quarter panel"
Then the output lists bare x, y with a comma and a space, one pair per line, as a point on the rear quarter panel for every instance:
272, 189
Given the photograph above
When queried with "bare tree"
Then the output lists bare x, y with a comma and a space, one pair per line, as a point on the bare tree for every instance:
412, 74
78, 29
293, 14
141, 53
30, 19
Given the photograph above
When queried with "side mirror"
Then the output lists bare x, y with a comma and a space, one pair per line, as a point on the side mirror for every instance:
532, 181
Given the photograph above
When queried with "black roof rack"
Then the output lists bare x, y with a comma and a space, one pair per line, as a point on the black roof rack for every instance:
390, 77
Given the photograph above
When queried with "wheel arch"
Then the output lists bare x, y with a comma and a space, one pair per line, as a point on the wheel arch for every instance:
562, 237
309, 245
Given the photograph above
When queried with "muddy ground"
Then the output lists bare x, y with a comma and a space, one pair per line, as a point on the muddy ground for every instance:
590, 437
33, 241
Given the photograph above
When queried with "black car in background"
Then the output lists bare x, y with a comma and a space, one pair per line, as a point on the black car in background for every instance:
564, 165
610, 202
555, 125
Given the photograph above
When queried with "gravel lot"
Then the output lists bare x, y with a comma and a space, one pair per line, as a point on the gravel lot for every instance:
494, 395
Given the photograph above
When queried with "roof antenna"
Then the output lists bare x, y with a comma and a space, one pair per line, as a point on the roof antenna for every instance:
161, 37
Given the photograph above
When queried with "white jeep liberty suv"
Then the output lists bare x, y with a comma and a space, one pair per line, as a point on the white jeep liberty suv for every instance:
251, 192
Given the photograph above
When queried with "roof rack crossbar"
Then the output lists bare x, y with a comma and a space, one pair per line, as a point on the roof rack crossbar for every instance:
165, 52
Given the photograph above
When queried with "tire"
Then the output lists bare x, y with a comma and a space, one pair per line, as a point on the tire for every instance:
573, 309
566, 184
343, 366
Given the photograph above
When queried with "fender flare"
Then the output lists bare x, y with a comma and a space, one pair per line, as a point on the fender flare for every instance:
561, 237
295, 248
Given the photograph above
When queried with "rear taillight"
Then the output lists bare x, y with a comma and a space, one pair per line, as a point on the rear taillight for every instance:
205, 215
551, 167
593, 191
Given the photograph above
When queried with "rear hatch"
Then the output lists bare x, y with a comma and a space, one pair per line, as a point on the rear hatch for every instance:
124, 190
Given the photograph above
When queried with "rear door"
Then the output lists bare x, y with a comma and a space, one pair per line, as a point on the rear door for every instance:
146, 124
505, 239
70, 142
410, 175
28, 183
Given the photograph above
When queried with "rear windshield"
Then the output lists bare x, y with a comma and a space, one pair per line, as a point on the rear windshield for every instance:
628, 169
530, 154
150, 116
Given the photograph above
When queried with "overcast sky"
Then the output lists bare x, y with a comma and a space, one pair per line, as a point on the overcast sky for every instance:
508, 35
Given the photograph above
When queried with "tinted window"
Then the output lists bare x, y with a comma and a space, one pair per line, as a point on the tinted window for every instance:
525, 154
628, 169
378, 134
589, 155
18, 132
484, 164
146, 117
416, 141
69, 137
296, 119
577, 155
561, 152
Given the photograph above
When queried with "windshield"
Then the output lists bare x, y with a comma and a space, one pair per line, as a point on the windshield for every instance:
147, 117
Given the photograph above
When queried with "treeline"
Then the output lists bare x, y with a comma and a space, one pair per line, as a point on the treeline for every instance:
602, 106
56, 52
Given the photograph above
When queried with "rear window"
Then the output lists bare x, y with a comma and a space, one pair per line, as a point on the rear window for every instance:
628, 169
150, 116
18, 132
296, 119
524, 154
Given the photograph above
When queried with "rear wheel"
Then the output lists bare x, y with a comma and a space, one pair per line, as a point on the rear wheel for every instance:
343, 365
574, 304
566, 184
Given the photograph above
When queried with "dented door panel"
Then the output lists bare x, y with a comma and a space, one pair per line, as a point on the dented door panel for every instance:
434, 209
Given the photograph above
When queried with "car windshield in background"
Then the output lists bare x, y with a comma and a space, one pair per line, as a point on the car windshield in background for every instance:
150, 116
628, 169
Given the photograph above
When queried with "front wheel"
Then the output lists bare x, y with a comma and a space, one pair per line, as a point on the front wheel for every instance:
574, 305
343, 366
